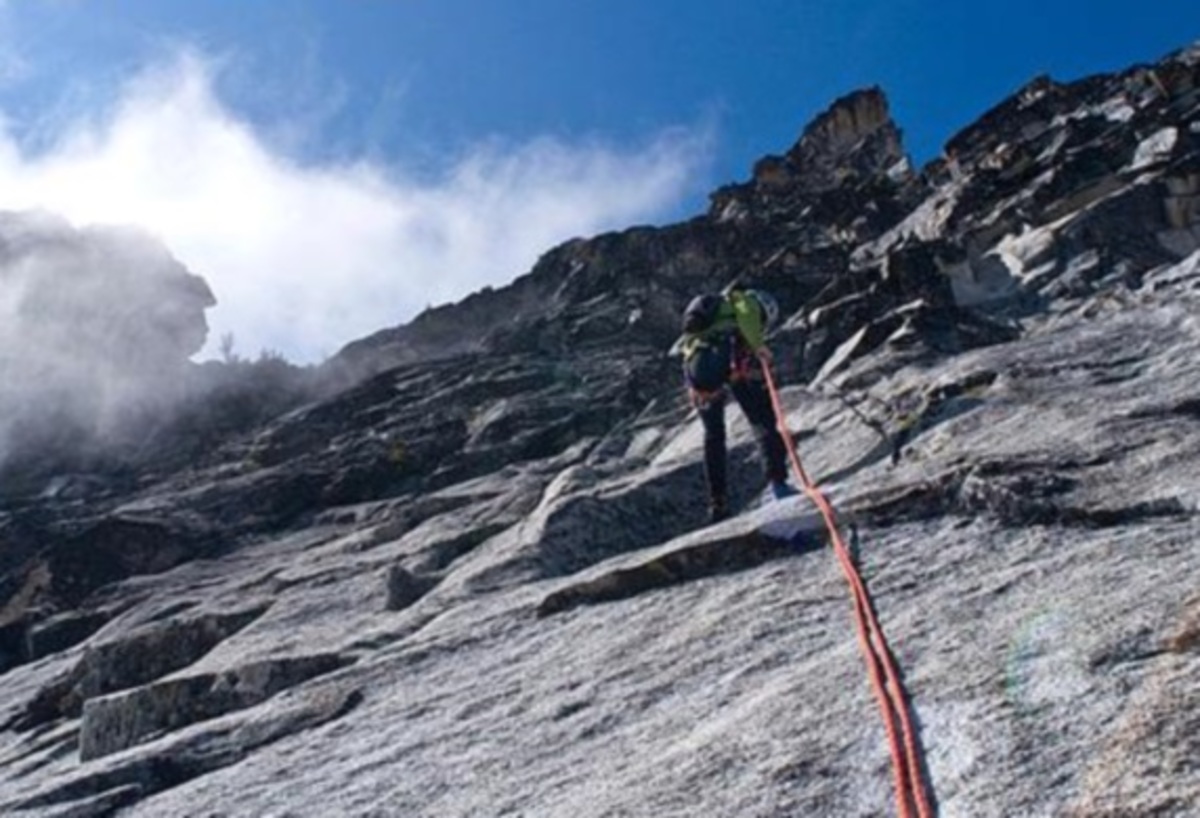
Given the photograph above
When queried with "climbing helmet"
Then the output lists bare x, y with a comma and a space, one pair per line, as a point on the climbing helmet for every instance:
767, 304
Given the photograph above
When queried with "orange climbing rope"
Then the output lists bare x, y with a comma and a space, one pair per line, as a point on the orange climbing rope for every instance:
885, 680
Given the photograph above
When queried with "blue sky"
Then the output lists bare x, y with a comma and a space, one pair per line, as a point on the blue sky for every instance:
333, 166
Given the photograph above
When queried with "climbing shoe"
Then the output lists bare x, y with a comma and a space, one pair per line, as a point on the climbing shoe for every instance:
781, 489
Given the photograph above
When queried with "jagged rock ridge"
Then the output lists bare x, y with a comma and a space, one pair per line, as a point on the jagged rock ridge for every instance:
469, 580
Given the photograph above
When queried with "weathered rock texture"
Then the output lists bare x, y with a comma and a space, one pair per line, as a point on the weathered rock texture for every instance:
470, 577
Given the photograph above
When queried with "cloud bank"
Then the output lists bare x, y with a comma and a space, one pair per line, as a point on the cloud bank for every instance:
305, 257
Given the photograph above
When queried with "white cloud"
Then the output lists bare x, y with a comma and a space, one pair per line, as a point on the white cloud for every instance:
306, 258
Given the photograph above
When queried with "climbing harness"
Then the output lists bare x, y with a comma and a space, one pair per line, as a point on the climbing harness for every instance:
885, 680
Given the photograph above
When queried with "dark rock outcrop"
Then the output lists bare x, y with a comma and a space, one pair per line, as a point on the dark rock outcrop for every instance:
131, 661
113, 723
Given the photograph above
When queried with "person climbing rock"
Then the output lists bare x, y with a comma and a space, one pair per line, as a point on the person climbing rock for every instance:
724, 348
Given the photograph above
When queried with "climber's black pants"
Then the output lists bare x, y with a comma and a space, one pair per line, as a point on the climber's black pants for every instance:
751, 395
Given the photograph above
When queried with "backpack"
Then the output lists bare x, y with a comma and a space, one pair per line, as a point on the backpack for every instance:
706, 354
706, 362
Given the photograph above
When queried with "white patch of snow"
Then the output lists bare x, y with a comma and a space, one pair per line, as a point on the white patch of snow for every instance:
1155, 148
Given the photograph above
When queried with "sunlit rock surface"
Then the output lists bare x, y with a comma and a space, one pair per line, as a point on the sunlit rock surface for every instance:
472, 579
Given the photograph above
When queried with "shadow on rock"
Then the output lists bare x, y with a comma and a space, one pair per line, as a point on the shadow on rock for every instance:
736, 552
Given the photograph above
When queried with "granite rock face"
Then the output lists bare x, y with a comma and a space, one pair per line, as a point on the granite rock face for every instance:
463, 570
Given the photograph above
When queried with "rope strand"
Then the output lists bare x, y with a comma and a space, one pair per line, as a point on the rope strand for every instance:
881, 668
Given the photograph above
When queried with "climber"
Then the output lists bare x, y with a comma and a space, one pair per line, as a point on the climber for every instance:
724, 347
